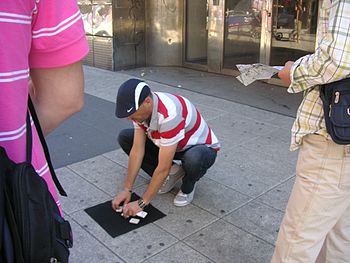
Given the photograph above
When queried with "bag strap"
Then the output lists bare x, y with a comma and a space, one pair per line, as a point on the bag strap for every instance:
44, 145
16, 240
29, 144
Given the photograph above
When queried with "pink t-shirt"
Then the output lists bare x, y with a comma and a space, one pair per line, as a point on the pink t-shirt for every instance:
34, 34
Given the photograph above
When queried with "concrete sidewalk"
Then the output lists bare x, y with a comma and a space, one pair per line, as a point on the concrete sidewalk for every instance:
238, 205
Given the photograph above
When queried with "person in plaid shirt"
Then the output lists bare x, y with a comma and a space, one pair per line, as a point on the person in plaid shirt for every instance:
316, 225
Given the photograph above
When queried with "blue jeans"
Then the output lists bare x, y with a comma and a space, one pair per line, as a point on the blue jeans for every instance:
195, 160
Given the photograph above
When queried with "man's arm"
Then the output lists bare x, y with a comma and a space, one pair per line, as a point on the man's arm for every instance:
165, 161
57, 93
135, 160
330, 62
135, 157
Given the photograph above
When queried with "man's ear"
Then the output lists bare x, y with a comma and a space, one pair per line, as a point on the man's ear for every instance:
148, 100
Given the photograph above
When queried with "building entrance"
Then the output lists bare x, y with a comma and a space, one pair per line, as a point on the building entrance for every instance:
196, 33
220, 34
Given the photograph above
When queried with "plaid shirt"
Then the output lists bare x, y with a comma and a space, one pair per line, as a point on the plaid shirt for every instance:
329, 63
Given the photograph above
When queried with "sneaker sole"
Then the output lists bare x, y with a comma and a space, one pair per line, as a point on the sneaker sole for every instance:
181, 205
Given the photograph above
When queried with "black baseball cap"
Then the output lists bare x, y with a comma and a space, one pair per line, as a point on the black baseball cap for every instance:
130, 96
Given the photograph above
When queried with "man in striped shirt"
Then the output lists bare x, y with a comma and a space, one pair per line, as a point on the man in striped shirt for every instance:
167, 127
316, 225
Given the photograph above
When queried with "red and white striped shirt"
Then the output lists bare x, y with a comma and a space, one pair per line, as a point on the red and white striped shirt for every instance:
175, 120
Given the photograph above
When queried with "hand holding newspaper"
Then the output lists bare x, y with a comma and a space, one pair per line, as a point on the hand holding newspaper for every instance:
252, 72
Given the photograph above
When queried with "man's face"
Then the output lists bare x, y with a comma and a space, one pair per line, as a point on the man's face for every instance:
143, 112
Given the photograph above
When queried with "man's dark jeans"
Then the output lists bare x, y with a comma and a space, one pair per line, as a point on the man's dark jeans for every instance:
195, 160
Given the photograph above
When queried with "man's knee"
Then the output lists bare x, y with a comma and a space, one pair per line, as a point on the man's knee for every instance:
126, 138
198, 159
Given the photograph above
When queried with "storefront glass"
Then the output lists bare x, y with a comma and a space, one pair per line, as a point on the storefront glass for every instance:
294, 24
196, 32
242, 32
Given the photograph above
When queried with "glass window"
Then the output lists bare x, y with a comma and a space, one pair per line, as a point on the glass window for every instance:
294, 24
242, 32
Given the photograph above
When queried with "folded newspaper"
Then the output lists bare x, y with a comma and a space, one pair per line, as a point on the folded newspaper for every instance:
252, 72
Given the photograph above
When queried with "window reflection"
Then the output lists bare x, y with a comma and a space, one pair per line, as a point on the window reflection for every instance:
294, 25
242, 32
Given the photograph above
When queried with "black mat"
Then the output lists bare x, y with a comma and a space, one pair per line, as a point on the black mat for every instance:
114, 224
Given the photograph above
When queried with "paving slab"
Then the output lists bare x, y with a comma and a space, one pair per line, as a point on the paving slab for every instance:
232, 129
248, 171
121, 158
278, 196
217, 198
88, 248
257, 219
178, 253
223, 242
179, 221
134, 246
276, 144
104, 174
81, 193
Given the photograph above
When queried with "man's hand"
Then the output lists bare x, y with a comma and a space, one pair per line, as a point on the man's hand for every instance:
284, 74
122, 197
131, 209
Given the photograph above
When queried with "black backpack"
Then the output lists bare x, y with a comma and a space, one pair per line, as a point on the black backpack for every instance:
31, 227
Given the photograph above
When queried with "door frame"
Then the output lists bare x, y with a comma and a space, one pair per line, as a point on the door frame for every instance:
215, 31
185, 63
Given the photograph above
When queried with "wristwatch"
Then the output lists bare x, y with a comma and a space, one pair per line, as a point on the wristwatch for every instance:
141, 203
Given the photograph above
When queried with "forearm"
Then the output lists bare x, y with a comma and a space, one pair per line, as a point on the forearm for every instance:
157, 180
134, 165
316, 69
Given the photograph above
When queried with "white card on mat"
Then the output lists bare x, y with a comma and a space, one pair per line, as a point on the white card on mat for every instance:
134, 221
142, 214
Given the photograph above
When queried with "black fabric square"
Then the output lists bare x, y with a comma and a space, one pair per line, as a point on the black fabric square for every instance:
114, 224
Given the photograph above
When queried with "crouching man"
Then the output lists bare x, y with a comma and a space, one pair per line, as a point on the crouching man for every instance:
168, 129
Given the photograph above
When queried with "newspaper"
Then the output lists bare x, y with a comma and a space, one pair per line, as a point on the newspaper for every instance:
252, 72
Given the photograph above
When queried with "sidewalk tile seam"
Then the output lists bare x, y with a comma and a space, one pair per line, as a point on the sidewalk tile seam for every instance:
95, 238
86, 180
150, 256
79, 210
180, 242
250, 233
255, 198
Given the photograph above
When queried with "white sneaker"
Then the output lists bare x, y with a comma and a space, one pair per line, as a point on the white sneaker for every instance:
175, 174
182, 199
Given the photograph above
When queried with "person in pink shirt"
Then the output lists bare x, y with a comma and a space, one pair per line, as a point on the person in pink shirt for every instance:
41, 40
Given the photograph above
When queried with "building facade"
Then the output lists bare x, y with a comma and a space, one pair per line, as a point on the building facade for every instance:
209, 35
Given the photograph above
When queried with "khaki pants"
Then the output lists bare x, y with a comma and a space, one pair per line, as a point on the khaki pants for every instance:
316, 224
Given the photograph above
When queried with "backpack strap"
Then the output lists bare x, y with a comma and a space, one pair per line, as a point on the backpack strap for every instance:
12, 226
9, 236
44, 145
